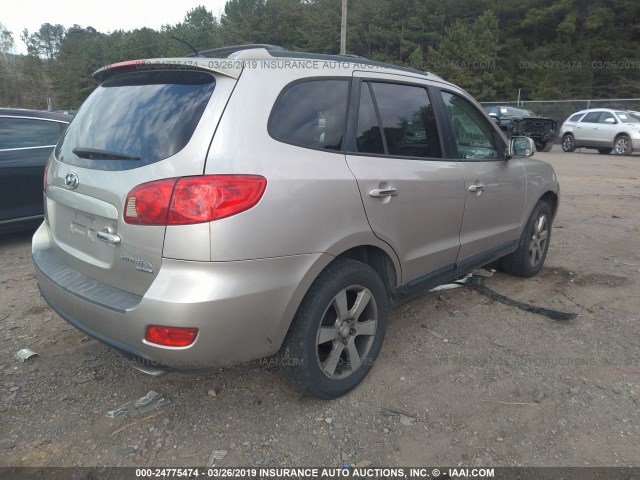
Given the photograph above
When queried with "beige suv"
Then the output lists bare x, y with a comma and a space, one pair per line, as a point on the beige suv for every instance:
204, 211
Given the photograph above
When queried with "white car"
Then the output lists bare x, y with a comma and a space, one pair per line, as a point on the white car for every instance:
604, 129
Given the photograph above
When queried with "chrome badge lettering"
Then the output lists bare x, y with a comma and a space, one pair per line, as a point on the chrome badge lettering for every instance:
141, 265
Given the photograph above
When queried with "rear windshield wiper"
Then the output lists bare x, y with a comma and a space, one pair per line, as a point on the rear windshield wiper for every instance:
97, 154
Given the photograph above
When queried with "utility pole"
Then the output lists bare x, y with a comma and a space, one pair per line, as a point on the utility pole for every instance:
343, 29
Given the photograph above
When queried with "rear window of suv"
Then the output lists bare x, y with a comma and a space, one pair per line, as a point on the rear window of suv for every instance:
136, 119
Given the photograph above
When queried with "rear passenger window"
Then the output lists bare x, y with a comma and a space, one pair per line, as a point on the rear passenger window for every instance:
28, 133
575, 117
408, 120
591, 117
311, 114
368, 135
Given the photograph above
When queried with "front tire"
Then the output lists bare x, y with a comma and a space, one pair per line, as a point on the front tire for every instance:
531, 253
622, 145
337, 332
568, 143
542, 146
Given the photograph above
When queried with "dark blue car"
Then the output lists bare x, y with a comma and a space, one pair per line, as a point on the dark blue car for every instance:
27, 138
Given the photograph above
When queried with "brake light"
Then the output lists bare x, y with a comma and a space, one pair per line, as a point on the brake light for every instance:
127, 63
148, 204
170, 336
188, 200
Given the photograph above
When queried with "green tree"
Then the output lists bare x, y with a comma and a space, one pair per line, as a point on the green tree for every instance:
467, 55
241, 21
82, 52
8, 74
45, 43
199, 28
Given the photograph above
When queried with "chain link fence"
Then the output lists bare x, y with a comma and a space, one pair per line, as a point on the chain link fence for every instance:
560, 110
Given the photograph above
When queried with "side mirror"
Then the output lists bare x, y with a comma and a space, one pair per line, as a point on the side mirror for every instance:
521, 147
610, 120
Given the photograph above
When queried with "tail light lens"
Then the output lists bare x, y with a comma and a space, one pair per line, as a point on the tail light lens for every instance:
188, 200
170, 336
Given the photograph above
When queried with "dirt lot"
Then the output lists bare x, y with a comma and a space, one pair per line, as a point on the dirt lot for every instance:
460, 367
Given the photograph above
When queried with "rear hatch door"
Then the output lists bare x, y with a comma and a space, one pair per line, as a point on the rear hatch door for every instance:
145, 122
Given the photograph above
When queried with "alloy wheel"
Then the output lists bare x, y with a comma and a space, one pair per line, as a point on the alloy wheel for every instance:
346, 332
622, 145
539, 239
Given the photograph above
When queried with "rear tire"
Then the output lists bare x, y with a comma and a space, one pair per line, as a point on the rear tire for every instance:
568, 143
622, 145
337, 332
529, 257
547, 146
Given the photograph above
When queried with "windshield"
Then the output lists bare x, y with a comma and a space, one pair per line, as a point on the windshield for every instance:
629, 117
517, 112
510, 111
135, 119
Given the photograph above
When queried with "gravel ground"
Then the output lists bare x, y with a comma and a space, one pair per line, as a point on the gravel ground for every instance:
461, 380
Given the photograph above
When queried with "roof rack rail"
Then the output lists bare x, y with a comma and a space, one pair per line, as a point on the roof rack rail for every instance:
224, 51
347, 58
280, 52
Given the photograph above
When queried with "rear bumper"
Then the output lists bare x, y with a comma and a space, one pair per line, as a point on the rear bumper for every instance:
242, 309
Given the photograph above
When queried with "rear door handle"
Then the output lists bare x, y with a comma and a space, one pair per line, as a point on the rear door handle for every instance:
108, 237
383, 192
477, 188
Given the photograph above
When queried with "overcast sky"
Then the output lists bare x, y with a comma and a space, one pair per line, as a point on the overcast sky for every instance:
103, 16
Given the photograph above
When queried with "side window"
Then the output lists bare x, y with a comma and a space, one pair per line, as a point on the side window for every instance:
591, 117
311, 114
606, 117
28, 133
474, 135
408, 120
368, 135
575, 117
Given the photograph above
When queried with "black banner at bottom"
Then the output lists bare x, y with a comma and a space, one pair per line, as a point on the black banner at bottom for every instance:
320, 473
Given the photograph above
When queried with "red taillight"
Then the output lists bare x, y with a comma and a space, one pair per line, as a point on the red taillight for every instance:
148, 204
207, 198
170, 336
127, 63
187, 200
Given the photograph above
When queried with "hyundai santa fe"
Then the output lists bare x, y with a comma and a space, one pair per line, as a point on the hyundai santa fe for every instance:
207, 211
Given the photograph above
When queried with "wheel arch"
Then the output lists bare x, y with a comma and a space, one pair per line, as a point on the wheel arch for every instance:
618, 135
374, 253
551, 198
379, 260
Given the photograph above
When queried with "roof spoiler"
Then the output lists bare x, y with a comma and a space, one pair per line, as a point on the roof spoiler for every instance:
225, 51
